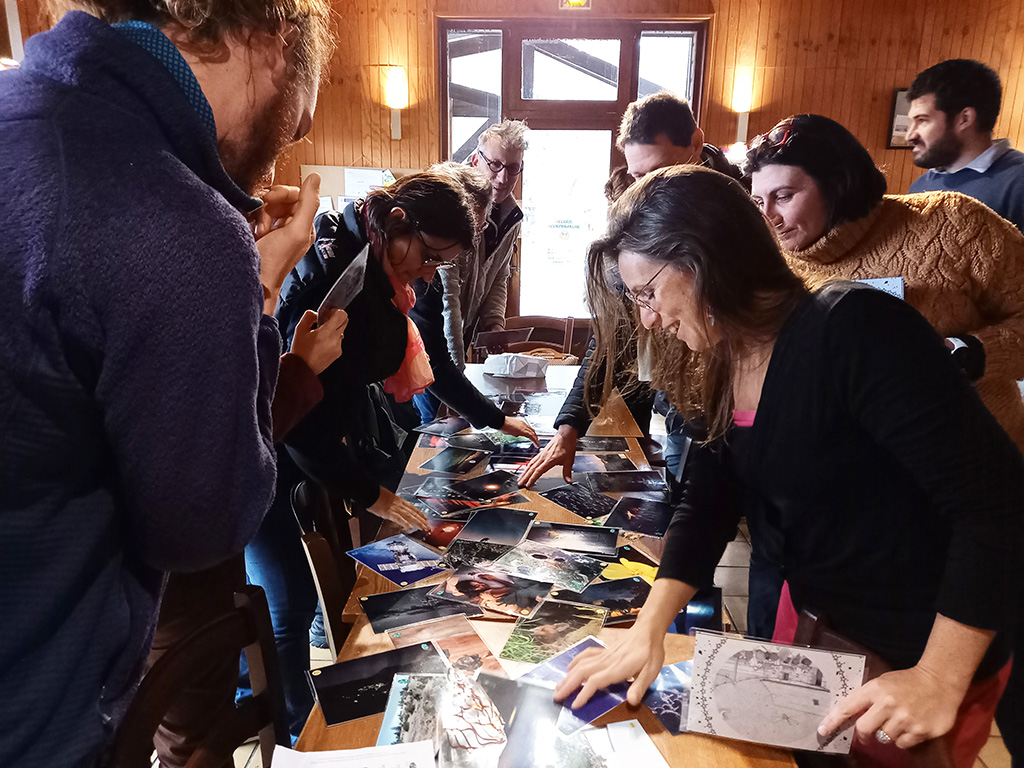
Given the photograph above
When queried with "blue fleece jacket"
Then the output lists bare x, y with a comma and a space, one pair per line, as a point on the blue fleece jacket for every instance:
136, 373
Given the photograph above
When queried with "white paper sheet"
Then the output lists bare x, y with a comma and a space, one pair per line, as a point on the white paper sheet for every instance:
418, 754
630, 738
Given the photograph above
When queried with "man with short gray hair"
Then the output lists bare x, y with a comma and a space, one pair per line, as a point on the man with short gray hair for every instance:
476, 291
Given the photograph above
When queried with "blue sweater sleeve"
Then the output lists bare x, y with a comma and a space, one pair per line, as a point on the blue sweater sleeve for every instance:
186, 371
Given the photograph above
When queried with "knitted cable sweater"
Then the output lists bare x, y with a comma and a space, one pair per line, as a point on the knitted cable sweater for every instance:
963, 269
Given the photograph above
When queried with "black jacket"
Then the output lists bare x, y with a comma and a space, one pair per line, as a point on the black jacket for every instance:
883, 489
373, 349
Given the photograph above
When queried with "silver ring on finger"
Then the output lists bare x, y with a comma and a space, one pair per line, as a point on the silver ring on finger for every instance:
883, 737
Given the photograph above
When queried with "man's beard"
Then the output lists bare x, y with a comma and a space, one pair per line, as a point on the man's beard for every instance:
942, 153
250, 164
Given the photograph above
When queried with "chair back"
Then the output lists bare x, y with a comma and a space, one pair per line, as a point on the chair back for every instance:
553, 333
248, 626
325, 541
813, 630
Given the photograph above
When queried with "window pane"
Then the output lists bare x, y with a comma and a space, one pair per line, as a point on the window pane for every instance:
667, 63
564, 210
474, 87
571, 70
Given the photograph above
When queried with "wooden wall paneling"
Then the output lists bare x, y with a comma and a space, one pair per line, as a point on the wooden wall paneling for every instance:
428, 31
415, 151
345, 91
365, 157
991, 30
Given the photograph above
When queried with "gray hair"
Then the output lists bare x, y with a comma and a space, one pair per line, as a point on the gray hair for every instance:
510, 134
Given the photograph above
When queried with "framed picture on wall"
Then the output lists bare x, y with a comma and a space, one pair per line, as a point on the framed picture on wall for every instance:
899, 120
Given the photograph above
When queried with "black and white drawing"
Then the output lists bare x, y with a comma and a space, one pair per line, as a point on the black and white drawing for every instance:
769, 693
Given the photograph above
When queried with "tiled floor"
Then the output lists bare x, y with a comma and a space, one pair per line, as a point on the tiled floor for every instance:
731, 576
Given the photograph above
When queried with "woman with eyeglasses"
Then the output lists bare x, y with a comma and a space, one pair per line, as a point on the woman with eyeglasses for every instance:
352, 443
961, 265
870, 472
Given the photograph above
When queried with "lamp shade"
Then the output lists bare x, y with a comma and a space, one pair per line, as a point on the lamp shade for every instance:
396, 88
743, 89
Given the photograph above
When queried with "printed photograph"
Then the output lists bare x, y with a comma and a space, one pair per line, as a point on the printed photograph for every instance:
669, 696
353, 689
555, 627
651, 518
473, 731
444, 427
399, 559
500, 525
623, 598
769, 693
435, 487
486, 486
432, 441
552, 671
494, 591
507, 443
441, 532
412, 712
457, 461
501, 462
580, 500
463, 509
475, 441
457, 641
588, 444
629, 562
588, 539
621, 482
391, 610
603, 462
566, 570
465, 554
531, 728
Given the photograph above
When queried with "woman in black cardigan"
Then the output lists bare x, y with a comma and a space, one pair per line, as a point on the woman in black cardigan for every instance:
873, 477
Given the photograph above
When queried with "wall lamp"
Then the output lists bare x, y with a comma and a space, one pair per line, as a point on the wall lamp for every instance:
742, 100
396, 97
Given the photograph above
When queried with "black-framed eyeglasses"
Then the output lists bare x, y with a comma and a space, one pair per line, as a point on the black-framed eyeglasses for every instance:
435, 263
643, 297
497, 166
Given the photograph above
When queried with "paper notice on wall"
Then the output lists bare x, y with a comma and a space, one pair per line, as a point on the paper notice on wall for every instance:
359, 182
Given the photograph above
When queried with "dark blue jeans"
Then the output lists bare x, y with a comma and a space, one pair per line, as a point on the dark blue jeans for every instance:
426, 406
275, 561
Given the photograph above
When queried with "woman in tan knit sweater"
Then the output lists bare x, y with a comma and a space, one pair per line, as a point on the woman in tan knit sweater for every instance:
962, 265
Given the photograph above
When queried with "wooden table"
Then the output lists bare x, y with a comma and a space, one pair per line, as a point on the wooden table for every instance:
685, 750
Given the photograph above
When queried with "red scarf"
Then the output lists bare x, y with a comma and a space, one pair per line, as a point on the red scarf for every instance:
414, 375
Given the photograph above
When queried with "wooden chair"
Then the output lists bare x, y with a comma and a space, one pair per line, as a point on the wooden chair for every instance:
813, 630
248, 626
552, 333
325, 542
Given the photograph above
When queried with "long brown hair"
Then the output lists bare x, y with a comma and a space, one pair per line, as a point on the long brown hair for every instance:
704, 223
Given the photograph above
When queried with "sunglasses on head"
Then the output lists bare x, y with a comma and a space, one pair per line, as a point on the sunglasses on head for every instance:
776, 137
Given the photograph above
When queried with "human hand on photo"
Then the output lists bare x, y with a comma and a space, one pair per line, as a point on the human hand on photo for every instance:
398, 510
906, 707
519, 428
560, 451
637, 655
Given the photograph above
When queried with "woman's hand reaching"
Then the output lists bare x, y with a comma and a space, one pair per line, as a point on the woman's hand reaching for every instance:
397, 510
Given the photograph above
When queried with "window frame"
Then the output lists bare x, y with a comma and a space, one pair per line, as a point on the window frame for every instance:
563, 115
585, 114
